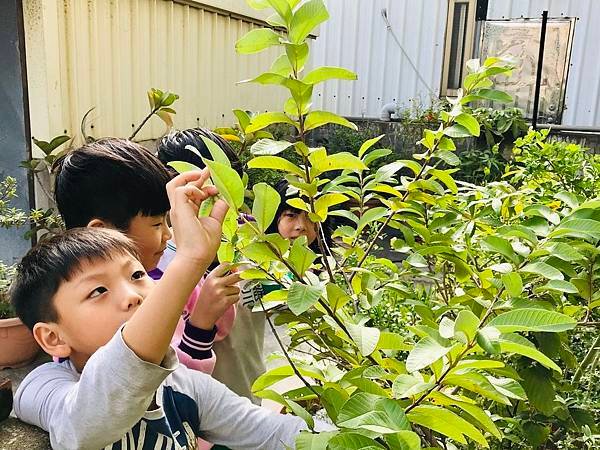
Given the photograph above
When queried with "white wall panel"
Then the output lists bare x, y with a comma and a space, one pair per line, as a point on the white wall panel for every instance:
356, 37
108, 53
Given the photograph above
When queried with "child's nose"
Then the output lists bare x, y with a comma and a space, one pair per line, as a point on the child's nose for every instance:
131, 299
166, 233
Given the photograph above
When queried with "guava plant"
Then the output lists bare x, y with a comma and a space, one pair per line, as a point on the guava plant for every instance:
492, 280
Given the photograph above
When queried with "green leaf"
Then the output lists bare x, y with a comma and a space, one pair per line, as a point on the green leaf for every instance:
385, 172
269, 147
406, 386
392, 341
445, 177
448, 157
499, 245
375, 155
532, 319
353, 441
512, 283
217, 153
269, 118
306, 18
337, 161
301, 257
368, 144
324, 202
494, 95
457, 131
560, 286
487, 339
274, 162
310, 441
256, 41
577, 227
403, 440
182, 166
473, 410
535, 433
301, 297
325, 73
467, 324
370, 216
514, 343
228, 182
372, 413
475, 382
317, 119
445, 422
366, 338
301, 412
564, 251
243, 118
266, 202
426, 352
283, 9
537, 383
272, 376
297, 55
544, 270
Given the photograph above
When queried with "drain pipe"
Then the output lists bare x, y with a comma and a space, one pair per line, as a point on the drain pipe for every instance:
387, 111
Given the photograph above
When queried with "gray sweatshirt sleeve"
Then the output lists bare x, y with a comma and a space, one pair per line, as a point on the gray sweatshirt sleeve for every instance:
97, 407
233, 421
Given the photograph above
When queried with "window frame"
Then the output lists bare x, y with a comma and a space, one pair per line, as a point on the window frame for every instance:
469, 42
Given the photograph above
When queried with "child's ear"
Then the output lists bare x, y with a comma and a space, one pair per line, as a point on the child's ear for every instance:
98, 223
48, 337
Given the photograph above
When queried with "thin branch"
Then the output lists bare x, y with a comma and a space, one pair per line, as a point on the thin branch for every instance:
137, 130
287, 356
43, 188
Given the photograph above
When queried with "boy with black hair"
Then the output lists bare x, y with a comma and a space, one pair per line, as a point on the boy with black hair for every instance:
86, 296
116, 183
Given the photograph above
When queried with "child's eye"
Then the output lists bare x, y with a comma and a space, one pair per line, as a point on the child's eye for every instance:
138, 275
97, 292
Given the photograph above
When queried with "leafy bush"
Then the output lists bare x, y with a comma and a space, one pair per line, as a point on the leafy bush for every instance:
6, 275
551, 165
491, 284
486, 161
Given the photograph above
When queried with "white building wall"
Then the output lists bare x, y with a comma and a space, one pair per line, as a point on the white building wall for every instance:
356, 38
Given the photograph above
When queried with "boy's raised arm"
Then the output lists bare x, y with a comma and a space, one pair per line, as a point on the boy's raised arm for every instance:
148, 333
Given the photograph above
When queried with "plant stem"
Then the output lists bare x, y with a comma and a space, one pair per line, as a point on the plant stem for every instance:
587, 360
43, 188
137, 130
287, 356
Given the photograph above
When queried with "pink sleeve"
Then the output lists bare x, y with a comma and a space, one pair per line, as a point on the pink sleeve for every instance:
224, 324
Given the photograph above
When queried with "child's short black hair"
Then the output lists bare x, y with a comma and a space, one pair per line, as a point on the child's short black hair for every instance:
110, 179
283, 189
46, 266
172, 148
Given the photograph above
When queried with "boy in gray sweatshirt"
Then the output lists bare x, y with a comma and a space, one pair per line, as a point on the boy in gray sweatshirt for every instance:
86, 297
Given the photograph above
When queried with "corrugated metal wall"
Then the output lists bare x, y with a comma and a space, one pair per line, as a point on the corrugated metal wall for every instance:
583, 84
356, 37
108, 53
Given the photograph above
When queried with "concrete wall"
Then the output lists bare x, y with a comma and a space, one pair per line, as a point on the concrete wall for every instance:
14, 122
